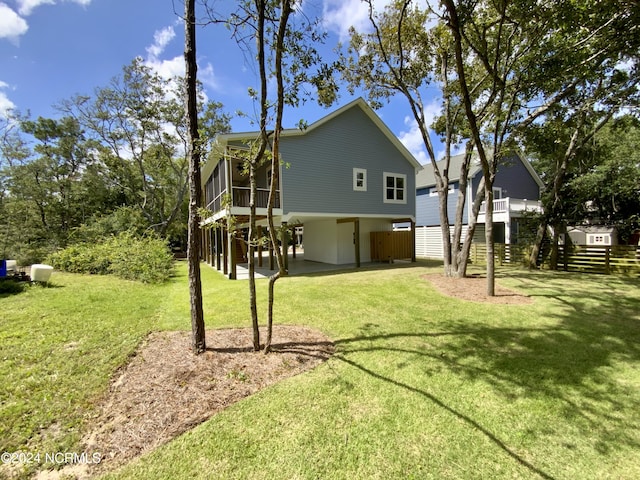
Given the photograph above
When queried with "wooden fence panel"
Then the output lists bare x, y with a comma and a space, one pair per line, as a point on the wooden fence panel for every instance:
618, 259
623, 259
390, 246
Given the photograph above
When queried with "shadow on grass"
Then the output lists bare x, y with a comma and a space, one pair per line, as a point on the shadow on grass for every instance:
467, 419
571, 355
9, 287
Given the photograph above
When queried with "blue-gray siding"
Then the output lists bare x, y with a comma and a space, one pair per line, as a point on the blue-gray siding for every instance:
512, 176
428, 211
319, 172
516, 181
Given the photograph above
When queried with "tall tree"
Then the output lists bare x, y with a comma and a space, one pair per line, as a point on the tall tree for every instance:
198, 338
410, 54
527, 57
283, 42
140, 123
52, 185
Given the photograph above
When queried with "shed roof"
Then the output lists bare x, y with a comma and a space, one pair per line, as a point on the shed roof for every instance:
592, 229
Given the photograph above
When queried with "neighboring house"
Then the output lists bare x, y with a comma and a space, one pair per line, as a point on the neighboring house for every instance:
341, 178
516, 190
593, 235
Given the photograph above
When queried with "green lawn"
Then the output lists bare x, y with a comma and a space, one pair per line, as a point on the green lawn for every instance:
421, 386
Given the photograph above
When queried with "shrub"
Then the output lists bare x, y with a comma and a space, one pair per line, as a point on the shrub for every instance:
146, 259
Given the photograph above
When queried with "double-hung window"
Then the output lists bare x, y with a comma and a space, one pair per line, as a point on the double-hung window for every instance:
395, 188
359, 179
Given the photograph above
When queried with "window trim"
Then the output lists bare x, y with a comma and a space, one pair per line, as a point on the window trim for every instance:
433, 191
356, 187
395, 200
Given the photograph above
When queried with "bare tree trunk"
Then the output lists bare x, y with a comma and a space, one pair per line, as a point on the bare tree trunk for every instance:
537, 244
488, 235
275, 165
487, 170
251, 256
463, 254
459, 261
198, 342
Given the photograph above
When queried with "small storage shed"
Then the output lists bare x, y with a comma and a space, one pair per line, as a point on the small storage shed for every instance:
595, 236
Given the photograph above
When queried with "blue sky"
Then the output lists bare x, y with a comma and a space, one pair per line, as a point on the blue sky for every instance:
51, 50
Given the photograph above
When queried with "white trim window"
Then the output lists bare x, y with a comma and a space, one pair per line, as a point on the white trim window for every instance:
433, 191
360, 179
395, 187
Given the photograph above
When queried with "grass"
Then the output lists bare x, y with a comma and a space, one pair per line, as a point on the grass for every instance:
421, 386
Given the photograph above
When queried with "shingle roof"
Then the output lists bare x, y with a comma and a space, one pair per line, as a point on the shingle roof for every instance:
426, 178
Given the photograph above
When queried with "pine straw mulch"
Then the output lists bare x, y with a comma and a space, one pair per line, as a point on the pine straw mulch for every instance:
474, 289
165, 390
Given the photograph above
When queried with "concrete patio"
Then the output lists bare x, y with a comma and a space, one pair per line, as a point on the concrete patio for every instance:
300, 266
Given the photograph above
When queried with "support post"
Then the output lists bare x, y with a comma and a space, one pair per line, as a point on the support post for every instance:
232, 255
356, 235
260, 247
217, 237
413, 241
285, 246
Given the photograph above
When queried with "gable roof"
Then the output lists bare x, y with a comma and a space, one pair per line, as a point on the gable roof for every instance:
357, 103
426, 177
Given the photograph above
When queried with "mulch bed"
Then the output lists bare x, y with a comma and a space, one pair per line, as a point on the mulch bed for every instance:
165, 390
474, 289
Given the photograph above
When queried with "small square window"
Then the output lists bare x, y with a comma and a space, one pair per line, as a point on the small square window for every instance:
359, 180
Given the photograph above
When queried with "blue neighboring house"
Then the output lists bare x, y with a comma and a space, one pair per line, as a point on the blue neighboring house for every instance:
516, 190
344, 176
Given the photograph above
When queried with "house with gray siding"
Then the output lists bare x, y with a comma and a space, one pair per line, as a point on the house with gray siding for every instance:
341, 178
516, 190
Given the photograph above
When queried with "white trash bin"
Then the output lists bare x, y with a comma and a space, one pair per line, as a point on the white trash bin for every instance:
40, 272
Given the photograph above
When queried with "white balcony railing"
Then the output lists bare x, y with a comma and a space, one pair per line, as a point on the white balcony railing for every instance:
512, 205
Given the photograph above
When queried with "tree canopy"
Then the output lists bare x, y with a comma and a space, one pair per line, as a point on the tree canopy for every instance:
121, 151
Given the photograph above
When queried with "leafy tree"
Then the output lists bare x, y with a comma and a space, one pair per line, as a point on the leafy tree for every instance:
600, 75
608, 184
52, 186
599, 171
527, 58
409, 53
282, 40
13, 151
140, 124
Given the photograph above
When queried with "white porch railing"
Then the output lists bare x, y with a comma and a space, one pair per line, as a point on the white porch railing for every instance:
512, 205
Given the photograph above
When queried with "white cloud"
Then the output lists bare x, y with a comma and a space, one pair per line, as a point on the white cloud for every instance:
12, 25
340, 15
412, 138
26, 7
161, 39
174, 67
170, 68
6, 105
